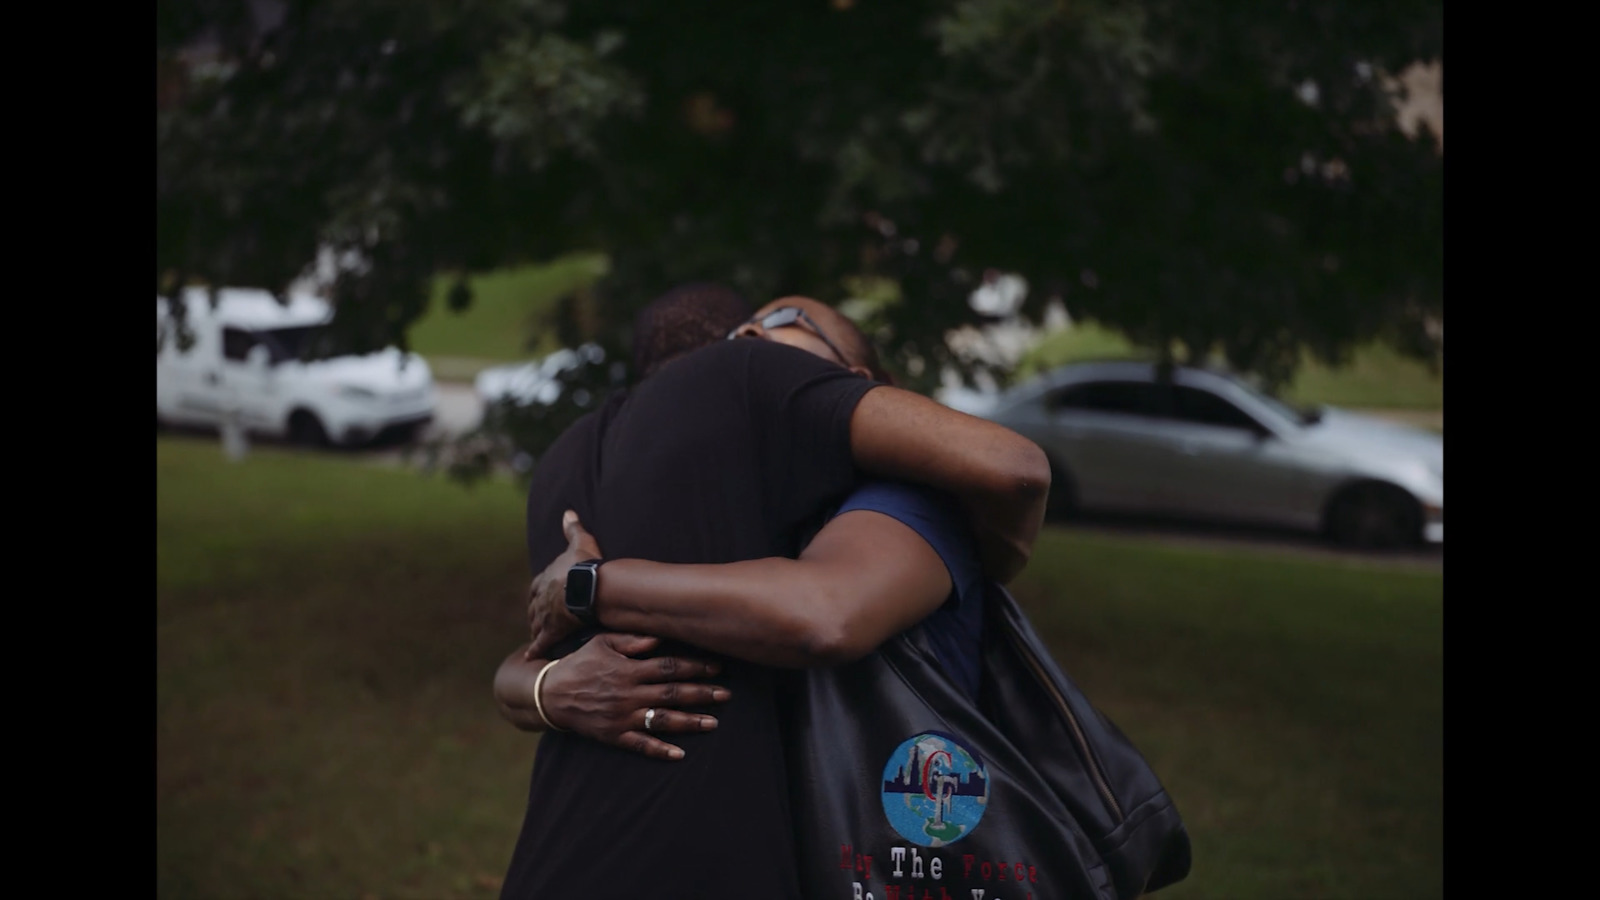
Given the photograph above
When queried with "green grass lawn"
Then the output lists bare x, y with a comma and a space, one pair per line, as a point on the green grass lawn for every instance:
506, 310
1292, 706
1377, 376
326, 632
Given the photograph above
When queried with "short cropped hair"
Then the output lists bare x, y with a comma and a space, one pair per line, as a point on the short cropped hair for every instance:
683, 319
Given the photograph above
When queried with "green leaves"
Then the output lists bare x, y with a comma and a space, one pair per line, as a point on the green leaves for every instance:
546, 94
402, 138
1153, 164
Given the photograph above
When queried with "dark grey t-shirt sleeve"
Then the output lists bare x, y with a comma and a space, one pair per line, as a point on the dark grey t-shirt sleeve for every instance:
801, 407
558, 484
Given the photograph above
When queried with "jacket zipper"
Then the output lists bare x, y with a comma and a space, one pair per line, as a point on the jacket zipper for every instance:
1077, 731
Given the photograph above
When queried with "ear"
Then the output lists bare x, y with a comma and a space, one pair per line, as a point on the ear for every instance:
866, 373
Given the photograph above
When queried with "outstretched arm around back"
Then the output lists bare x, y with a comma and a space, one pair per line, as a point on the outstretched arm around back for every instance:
864, 578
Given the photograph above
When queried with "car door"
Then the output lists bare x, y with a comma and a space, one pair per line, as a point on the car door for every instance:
1110, 436
196, 376
1226, 464
246, 378
175, 375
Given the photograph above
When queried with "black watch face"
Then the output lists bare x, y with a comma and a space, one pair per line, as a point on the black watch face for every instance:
580, 591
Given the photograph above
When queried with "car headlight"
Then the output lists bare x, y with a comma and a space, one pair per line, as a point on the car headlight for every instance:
364, 395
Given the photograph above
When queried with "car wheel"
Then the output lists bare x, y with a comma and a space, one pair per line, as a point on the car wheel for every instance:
411, 434
1374, 517
306, 430
1063, 502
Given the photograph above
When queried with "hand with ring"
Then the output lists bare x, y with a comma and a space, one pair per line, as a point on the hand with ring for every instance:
603, 692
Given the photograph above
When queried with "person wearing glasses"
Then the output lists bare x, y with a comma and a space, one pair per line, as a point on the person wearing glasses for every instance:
671, 471
807, 333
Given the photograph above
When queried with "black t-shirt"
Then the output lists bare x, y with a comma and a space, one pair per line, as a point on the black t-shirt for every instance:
565, 478
729, 453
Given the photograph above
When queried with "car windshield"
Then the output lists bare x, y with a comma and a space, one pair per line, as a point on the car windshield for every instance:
300, 342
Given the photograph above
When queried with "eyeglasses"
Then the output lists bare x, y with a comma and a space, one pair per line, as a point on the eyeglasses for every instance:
788, 315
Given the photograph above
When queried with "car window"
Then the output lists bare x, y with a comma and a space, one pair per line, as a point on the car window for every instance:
1133, 398
236, 344
296, 342
1206, 408
1252, 386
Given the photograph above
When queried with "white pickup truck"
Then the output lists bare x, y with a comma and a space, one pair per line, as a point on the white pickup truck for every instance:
249, 361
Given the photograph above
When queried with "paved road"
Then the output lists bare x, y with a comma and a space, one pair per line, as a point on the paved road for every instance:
1209, 535
459, 409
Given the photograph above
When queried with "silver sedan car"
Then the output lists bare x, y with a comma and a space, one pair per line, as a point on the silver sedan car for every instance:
1208, 445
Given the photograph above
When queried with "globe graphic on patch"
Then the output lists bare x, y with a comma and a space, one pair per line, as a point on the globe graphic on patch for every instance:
935, 789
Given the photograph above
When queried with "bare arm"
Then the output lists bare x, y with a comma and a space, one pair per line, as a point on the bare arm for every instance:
864, 578
1000, 477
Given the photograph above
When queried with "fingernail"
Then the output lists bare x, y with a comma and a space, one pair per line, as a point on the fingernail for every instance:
707, 723
720, 694
675, 753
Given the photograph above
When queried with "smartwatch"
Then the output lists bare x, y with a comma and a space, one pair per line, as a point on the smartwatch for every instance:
582, 581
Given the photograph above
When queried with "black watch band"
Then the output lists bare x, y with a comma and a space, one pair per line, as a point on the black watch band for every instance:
583, 581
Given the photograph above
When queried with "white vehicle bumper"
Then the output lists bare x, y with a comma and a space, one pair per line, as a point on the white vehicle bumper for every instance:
387, 418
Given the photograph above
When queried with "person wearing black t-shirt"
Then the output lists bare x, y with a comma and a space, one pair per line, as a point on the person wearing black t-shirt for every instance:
730, 453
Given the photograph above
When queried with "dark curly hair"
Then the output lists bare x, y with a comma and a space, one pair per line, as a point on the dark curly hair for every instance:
685, 318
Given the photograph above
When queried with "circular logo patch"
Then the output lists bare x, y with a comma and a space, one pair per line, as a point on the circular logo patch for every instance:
935, 789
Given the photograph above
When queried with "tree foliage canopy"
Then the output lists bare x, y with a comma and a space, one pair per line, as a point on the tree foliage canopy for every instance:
1205, 174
